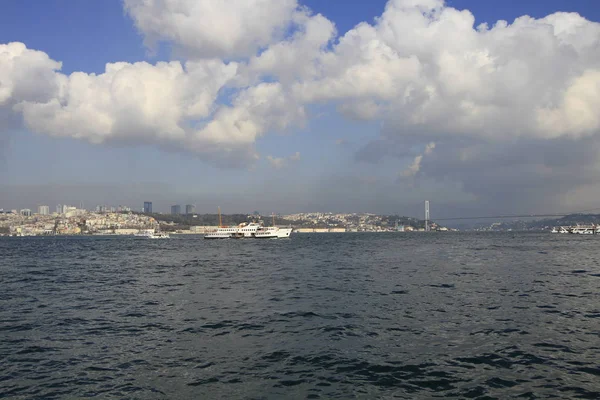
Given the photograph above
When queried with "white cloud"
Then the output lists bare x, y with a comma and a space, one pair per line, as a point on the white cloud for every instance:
579, 110
290, 60
415, 167
165, 104
255, 111
429, 148
422, 68
26, 75
277, 162
223, 28
280, 162
173, 105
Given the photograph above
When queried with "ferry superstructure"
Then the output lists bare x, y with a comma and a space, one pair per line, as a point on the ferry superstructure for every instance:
241, 231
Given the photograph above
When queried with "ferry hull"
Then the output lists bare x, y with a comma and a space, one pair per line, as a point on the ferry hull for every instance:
274, 233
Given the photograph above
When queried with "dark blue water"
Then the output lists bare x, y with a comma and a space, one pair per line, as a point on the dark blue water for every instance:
318, 316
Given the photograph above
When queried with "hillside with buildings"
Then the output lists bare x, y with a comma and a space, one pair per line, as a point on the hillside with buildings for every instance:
69, 220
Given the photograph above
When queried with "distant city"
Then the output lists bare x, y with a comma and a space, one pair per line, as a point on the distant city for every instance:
123, 220
63, 209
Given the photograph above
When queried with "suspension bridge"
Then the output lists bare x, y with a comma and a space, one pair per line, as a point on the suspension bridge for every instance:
513, 216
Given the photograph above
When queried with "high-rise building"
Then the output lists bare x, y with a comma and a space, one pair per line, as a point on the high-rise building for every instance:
59, 209
44, 210
176, 209
147, 207
190, 209
26, 212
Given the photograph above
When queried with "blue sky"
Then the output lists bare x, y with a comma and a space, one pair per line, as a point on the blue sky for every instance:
329, 176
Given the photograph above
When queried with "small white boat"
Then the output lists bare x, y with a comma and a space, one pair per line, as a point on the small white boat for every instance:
159, 235
144, 233
152, 234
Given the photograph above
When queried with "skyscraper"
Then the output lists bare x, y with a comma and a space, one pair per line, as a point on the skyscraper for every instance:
176, 209
147, 207
190, 209
44, 210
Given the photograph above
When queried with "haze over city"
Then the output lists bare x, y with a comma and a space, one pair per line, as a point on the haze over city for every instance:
293, 106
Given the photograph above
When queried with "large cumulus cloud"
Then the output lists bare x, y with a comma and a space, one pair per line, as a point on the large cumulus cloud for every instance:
223, 28
422, 68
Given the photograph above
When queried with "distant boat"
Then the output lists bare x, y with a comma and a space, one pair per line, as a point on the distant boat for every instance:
159, 235
578, 229
152, 234
583, 230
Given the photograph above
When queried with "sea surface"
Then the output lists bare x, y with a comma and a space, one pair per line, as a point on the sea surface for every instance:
318, 316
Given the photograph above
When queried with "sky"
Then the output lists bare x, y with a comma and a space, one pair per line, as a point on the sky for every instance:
480, 107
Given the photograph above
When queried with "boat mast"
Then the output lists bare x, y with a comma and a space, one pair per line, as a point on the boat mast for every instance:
220, 222
273, 215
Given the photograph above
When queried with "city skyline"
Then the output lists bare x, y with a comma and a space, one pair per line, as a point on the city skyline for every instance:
341, 106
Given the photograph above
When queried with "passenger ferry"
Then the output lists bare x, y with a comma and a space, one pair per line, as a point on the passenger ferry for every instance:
248, 230
584, 230
578, 229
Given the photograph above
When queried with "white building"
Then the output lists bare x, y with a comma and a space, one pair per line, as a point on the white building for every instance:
66, 209
44, 210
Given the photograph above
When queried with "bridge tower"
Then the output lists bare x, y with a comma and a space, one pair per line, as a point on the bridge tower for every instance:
426, 215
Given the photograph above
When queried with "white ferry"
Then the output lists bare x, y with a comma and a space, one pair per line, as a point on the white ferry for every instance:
578, 229
273, 233
243, 230
584, 230
248, 230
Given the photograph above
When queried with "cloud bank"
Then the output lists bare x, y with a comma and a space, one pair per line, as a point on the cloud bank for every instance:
252, 67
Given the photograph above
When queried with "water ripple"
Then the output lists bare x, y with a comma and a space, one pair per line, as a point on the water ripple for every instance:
319, 316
